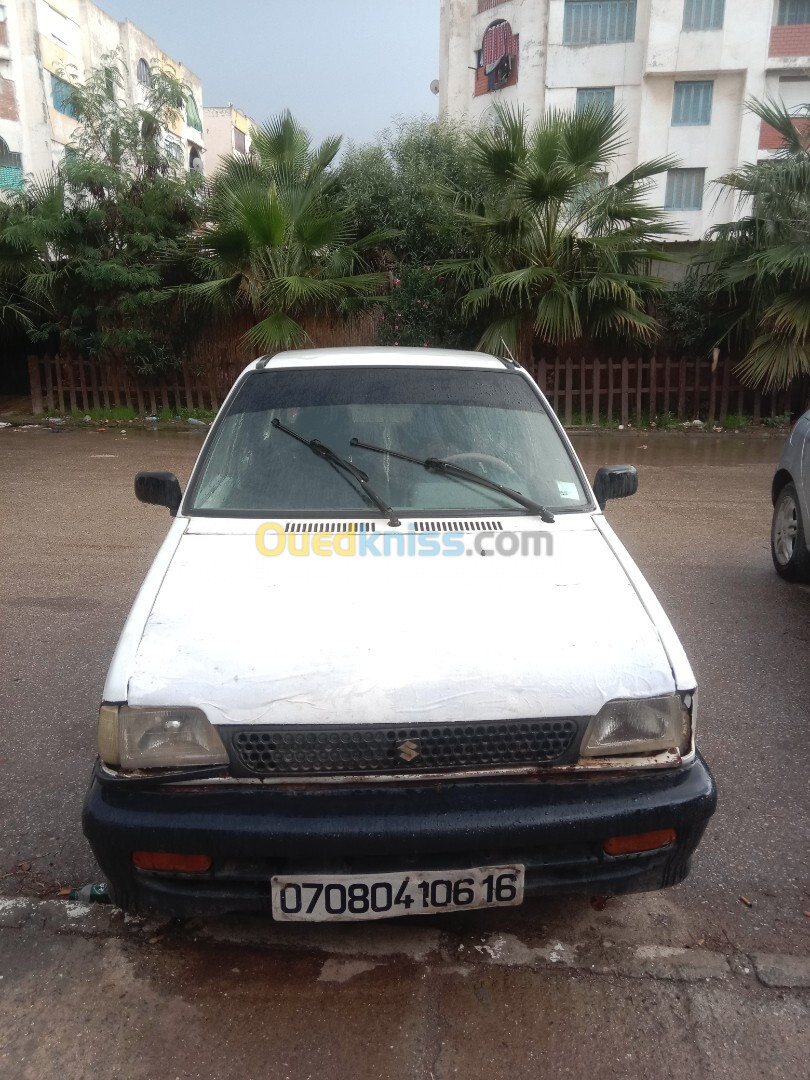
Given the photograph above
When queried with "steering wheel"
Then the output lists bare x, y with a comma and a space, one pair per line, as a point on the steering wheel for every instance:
467, 459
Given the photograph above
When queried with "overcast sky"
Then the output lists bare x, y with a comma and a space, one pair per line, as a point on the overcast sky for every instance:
342, 66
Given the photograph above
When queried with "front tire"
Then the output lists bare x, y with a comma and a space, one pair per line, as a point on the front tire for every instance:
788, 544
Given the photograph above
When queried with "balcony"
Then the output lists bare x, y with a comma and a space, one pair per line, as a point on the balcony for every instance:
770, 139
789, 48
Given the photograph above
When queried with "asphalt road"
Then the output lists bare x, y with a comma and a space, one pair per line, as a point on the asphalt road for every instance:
75, 546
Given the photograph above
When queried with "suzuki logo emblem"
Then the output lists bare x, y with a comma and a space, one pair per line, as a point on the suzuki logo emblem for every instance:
409, 750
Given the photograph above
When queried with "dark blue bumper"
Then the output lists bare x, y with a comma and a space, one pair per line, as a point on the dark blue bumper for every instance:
555, 826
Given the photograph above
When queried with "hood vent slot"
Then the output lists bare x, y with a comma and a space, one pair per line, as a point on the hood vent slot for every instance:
458, 526
330, 527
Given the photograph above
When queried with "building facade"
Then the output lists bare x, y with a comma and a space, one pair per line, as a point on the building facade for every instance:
47, 44
227, 132
679, 70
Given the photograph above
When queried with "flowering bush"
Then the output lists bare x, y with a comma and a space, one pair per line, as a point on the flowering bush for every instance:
423, 311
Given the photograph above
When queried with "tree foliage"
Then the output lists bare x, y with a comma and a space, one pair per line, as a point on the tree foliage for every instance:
513, 234
758, 267
91, 248
688, 318
560, 252
422, 312
275, 240
407, 182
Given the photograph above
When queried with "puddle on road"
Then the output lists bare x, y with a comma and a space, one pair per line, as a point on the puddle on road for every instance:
595, 447
674, 448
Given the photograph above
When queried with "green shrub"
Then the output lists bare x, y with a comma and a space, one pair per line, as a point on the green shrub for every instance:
424, 313
734, 422
666, 421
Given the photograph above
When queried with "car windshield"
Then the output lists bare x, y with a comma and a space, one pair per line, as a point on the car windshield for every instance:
489, 422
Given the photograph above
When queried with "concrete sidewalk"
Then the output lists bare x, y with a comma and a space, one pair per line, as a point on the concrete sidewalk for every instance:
88, 992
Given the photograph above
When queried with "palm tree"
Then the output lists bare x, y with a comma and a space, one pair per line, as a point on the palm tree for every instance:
275, 242
562, 253
759, 265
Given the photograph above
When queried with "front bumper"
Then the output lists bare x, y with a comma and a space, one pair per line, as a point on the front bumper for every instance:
554, 825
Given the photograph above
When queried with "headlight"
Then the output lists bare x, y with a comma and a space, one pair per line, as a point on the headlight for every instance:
642, 725
157, 738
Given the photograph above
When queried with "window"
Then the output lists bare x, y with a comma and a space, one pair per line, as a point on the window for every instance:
794, 90
174, 148
62, 94
793, 12
703, 14
685, 189
497, 56
11, 173
193, 114
595, 95
485, 5
62, 30
597, 181
195, 161
490, 121
144, 73
599, 22
692, 103
252, 469
239, 141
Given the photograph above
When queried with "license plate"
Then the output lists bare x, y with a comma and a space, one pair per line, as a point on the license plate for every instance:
356, 897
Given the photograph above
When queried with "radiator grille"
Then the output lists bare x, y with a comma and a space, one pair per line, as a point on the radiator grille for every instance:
294, 750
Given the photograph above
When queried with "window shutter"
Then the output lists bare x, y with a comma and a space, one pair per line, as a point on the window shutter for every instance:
703, 14
692, 103
685, 189
599, 22
595, 95
793, 12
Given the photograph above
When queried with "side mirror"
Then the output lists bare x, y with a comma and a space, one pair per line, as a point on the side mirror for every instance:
160, 489
615, 482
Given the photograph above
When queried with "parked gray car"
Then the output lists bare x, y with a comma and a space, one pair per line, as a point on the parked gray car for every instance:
790, 528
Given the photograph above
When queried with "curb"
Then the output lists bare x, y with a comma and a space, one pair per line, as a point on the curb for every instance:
414, 944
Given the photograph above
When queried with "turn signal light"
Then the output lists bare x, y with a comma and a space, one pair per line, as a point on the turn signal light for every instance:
647, 841
164, 860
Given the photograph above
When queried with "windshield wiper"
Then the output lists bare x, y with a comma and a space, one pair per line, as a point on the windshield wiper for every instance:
447, 468
328, 454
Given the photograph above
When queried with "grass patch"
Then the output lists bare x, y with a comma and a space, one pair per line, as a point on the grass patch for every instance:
734, 422
195, 414
123, 413
115, 412
186, 414
666, 421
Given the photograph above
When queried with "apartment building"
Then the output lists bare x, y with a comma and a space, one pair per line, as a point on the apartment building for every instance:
680, 71
227, 131
46, 44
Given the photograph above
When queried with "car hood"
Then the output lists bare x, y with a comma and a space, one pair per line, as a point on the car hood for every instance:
291, 639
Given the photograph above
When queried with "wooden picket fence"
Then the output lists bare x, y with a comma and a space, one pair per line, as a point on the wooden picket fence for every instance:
63, 385
74, 384
591, 389
581, 390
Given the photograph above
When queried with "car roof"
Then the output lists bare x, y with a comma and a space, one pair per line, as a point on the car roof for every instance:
377, 356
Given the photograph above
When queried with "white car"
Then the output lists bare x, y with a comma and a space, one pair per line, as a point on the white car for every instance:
790, 494
391, 659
